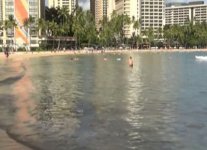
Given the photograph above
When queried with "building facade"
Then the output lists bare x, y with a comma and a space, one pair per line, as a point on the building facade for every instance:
70, 4
149, 13
183, 14
110, 8
132, 9
152, 15
101, 9
98, 12
20, 36
92, 7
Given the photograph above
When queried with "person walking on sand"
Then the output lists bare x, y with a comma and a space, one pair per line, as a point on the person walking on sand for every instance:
130, 62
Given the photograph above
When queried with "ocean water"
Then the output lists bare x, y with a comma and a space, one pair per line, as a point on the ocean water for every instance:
101, 104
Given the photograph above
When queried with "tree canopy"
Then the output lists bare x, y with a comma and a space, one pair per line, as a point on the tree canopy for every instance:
113, 32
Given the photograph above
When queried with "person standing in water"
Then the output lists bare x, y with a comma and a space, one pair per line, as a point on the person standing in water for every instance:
6, 51
130, 62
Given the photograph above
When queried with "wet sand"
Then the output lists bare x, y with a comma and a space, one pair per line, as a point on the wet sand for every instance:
15, 77
6, 143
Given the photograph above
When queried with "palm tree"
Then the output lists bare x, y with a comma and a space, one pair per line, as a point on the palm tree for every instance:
10, 25
159, 33
201, 33
150, 35
29, 24
41, 26
63, 14
136, 25
167, 34
90, 27
106, 34
51, 14
78, 26
53, 30
136, 28
125, 21
117, 25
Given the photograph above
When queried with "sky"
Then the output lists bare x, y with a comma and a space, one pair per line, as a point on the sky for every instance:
84, 3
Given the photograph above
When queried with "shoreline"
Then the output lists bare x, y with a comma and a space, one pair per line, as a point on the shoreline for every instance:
26, 55
8, 140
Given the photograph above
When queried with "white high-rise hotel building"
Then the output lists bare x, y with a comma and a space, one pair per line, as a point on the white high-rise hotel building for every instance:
131, 8
183, 14
150, 13
70, 4
20, 10
101, 9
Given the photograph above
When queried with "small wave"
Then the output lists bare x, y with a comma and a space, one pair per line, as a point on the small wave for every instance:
201, 58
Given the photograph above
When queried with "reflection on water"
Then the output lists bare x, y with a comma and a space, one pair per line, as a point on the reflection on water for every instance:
149, 111
94, 104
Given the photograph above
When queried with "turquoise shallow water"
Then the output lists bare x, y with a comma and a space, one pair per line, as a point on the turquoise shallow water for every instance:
90, 104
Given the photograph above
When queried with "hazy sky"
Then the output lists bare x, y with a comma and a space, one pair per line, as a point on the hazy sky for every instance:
84, 3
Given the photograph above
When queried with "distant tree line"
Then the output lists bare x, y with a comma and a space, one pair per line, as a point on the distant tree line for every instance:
189, 35
81, 25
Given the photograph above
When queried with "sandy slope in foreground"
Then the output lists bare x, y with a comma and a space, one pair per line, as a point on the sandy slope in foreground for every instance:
9, 144
6, 142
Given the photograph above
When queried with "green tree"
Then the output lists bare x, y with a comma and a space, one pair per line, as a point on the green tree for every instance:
106, 35
116, 25
42, 26
90, 28
78, 26
150, 35
51, 14
10, 25
136, 26
29, 24
167, 33
63, 14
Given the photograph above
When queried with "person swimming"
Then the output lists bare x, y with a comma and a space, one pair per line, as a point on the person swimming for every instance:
130, 62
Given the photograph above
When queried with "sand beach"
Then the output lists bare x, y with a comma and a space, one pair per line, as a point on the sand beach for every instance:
27, 55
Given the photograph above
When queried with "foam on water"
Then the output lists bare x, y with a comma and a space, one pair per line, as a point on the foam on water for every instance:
201, 58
